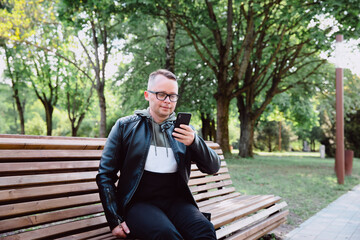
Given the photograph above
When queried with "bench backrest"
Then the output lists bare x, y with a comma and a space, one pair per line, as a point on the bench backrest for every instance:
48, 188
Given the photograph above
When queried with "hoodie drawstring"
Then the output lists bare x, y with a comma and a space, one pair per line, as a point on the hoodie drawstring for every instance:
154, 135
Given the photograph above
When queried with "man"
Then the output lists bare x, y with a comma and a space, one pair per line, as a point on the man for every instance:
152, 199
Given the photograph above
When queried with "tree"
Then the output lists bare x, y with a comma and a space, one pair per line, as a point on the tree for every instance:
45, 78
99, 22
15, 71
77, 96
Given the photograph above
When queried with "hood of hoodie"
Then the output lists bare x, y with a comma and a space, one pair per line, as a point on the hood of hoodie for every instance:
159, 138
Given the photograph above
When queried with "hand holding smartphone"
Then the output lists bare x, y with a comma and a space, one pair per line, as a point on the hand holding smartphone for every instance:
182, 118
187, 135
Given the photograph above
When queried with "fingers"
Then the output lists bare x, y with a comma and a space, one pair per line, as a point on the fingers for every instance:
184, 134
121, 231
125, 227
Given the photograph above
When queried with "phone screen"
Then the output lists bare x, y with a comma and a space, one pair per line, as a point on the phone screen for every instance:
182, 118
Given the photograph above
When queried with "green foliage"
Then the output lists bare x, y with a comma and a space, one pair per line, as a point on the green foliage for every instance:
327, 112
267, 136
36, 125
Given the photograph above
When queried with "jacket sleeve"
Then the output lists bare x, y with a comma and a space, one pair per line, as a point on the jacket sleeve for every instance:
107, 176
205, 158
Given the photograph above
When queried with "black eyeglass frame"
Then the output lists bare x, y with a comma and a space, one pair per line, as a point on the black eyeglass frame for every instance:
167, 95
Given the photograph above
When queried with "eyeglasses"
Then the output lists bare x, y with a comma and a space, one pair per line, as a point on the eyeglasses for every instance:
162, 96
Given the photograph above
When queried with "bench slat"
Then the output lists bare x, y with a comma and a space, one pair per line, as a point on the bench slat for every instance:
210, 194
9, 155
210, 186
47, 205
37, 219
103, 232
236, 204
46, 191
46, 178
225, 203
33, 167
60, 229
29, 143
204, 180
194, 167
196, 174
203, 204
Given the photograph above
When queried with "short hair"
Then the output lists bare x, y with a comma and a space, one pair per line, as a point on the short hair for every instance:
164, 72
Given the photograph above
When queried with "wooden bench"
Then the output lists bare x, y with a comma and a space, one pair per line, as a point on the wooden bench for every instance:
48, 191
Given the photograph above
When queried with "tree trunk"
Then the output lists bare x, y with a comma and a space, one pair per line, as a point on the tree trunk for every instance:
20, 110
170, 44
15, 87
102, 104
208, 127
49, 109
222, 133
246, 135
269, 143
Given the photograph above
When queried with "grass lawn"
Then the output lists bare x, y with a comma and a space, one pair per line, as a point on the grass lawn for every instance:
304, 180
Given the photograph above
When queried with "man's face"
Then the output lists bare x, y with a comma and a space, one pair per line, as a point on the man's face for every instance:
160, 110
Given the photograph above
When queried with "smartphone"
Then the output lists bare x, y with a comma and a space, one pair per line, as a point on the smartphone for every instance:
182, 118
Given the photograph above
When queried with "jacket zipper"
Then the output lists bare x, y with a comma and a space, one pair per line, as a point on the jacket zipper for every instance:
111, 206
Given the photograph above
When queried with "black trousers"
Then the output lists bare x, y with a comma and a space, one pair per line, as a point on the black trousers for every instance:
159, 211
168, 220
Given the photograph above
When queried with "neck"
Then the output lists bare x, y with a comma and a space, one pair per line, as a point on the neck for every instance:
157, 119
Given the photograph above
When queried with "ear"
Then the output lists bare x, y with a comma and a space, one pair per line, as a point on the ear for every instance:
146, 95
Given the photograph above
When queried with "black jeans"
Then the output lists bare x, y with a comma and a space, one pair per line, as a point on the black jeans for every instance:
168, 219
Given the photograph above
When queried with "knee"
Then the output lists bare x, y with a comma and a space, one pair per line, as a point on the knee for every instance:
206, 231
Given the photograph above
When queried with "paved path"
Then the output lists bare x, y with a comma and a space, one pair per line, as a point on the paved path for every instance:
338, 221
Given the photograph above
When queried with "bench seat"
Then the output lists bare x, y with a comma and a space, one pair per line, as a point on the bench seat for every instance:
48, 191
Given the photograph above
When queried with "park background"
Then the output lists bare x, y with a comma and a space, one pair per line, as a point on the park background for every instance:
258, 77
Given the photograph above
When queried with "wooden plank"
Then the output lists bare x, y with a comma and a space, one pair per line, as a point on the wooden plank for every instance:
241, 200
103, 237
205, 203
196, 174
210, 179
20, 167
235, 204
209, 186
49, 232
46, 191
9, 155
28, 143
248, 221
48, 217
104, 231
216, 193
194, 167
49, 137
15, 181
234, 215
260, 229
47, 205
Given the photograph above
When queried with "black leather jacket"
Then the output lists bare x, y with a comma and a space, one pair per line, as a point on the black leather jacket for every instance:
126, 150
